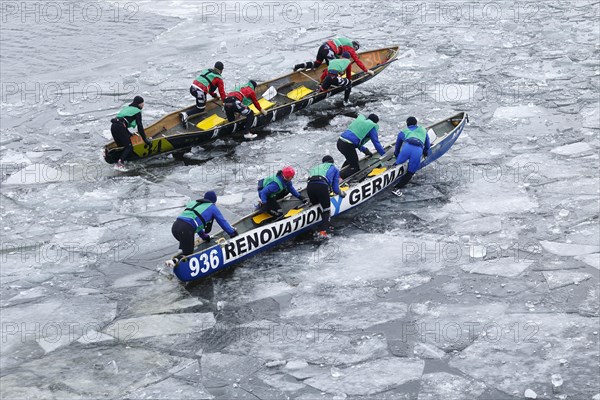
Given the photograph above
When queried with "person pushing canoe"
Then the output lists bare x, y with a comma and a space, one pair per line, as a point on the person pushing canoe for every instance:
276, 187
208, 81
411, 144
332, 49
128, 118
198, 217
238, 102
333, 76
360, 131
324, 178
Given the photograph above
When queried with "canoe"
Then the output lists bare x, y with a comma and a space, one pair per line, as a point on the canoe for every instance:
295, 92
258, 232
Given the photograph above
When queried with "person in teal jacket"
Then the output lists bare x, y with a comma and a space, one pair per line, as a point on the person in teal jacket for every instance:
360, 131
128, 118
412, 144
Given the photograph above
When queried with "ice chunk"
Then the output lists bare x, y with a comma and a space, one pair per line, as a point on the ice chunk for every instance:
507, 267
530, 394
369, 378
572, 149
557, 279
159, 325
592, 260
569, 249
442, 385
527, 111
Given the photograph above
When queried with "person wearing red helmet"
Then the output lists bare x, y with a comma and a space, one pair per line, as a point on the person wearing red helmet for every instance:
238, 102
276, 187
332, 49
208, 81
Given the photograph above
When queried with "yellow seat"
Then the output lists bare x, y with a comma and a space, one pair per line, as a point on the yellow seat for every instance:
377, 171
299, 93
210, 122
264, 103
257, 219
293, 212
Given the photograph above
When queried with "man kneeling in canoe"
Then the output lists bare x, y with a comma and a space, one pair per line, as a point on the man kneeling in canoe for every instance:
198, 217
276, 187
324, 178
238, 102
411, 144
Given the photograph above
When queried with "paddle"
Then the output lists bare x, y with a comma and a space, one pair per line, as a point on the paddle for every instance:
270, 93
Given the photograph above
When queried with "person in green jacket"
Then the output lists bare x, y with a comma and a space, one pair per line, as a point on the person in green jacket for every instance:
360, 131
333, 76
128, 118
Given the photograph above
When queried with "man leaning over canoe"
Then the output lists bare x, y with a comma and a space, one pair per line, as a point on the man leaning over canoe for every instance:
207, 82
332, 49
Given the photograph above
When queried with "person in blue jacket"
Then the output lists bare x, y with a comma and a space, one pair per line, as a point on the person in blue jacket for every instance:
360, 131
276, 187
324, 178
412, 144
198, 217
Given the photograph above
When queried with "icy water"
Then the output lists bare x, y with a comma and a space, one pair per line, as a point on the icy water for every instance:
480, 283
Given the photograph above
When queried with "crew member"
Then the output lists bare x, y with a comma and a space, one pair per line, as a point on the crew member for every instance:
333, 75
276, 187
208, 81
324, 178
198, 217
360, 131
238, 102
333, 48
128, 117
411, 144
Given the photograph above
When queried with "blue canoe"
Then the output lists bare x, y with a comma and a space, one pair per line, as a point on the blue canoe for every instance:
257, 233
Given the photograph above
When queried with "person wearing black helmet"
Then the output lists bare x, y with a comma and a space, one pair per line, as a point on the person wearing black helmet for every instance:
238, 102
359, 132
412, 144
324, 178
198, 217
333, 76
332, 49
128, 118
208, 81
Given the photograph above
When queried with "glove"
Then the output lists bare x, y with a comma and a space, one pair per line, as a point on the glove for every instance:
370, 72
148, 141
367, 152
342, 194
263, 112
205, 236
234, 234
304, 201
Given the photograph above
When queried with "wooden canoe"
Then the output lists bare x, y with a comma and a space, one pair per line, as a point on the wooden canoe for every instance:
295, 92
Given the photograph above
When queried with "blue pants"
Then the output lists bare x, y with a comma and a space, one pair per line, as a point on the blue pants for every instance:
411, 153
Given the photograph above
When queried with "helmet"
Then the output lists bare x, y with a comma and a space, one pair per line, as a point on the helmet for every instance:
410, 121
356, 45
345, 55
253, 83
210, 196
219, 65
288, 173
327, 159
373, 117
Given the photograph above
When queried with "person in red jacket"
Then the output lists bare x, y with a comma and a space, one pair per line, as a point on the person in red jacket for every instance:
332, 75
238, 102
208, 81
332, 49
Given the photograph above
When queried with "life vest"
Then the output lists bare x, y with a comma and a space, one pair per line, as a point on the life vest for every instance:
238, 89
194, 210
274, 178
419, 133
207, 76
342, 41
338, 66
361, 127
320, 170
129, 111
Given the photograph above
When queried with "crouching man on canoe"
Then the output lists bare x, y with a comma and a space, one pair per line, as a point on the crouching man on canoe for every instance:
238, 102
128, 118
333, 76
411, 144
360, 131
324, 178
332, 49
198, 217
208, 81
276, 187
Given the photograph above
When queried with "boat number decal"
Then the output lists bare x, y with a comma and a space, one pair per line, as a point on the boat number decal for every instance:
205, 262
